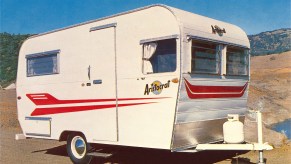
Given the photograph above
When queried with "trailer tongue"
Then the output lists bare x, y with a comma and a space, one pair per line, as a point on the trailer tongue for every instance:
259, 146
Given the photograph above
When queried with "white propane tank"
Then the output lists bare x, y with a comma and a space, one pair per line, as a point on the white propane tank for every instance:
233, 131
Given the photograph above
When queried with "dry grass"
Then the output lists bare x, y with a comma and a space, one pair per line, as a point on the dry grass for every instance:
8, 112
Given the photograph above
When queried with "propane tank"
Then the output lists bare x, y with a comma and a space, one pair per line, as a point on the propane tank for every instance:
233, 131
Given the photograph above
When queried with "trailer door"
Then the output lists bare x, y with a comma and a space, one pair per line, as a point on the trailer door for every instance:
102, 74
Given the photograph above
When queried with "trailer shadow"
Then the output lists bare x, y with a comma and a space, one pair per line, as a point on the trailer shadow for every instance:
130, 155
59, 151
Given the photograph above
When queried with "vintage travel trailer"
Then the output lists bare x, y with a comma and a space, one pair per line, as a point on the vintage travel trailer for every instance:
154, 77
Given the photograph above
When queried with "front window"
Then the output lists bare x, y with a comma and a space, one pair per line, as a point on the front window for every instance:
160, 56
237, 61
205, 57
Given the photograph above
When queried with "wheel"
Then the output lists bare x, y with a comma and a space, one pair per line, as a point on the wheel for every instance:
77, 148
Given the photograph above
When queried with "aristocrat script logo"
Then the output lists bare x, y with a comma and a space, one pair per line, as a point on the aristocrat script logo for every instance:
156, 87
217, 29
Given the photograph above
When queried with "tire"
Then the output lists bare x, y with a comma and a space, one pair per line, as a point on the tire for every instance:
77, 148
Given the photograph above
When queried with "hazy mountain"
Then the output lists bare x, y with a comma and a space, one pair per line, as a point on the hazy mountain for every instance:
270, 42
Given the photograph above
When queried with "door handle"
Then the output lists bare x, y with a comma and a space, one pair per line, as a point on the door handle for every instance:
89, 72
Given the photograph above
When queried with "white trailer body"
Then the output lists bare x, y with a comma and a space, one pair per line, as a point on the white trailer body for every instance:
155, 77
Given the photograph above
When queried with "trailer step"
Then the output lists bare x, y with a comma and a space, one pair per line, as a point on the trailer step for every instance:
97, 154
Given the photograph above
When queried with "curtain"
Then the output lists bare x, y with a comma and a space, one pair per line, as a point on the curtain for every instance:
148, 51
218, 55
55, 64
30, 63
246, 62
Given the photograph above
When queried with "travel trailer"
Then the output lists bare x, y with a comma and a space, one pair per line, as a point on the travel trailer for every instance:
154, 77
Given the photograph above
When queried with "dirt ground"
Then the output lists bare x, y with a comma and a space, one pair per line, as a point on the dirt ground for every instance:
269, 91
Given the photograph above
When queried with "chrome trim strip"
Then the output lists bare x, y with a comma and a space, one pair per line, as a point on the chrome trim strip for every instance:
45, 53
103, 27
39, 118
37, 134
216, 41
176, 36
116, 85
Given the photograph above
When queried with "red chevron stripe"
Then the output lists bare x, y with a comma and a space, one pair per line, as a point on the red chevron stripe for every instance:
47, 99
57, 110
200, 91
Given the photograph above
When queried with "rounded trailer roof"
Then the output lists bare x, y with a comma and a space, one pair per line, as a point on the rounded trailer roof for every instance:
201, 27
192, 25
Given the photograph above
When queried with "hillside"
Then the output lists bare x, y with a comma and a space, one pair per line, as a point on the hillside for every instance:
9, 48
270, 92
270, 42
271, 86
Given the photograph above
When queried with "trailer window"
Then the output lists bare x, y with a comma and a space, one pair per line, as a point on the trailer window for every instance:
159, 56
237, 61
45, 63
205, 58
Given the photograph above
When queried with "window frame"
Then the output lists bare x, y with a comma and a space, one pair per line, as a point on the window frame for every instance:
248, 60
217, 50
156, 40
42, 54
222, 47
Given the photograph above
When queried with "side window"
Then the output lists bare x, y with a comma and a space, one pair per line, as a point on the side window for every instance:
237, 61
45, 63
205, 57
159, 56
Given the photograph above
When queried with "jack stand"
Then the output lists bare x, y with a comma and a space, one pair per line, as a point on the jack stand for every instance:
261, 158
260, 136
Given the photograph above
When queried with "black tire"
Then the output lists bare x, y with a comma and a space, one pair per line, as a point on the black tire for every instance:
77, 148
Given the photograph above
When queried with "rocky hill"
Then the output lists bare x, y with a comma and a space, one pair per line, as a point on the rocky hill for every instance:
270, 42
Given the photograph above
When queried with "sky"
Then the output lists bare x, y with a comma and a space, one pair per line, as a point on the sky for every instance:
37, 16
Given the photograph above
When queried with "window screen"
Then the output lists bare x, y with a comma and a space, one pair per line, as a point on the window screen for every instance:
45, 63
237, 61
205, 58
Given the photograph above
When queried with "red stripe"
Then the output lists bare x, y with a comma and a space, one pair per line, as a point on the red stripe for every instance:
199, 91
57, 110
214, 89
47, 99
